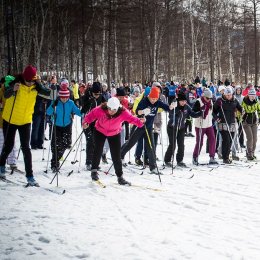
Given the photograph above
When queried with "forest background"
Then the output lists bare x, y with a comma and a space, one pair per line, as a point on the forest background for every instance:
125, 41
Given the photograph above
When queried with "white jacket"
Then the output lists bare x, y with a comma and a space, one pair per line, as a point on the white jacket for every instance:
207, 122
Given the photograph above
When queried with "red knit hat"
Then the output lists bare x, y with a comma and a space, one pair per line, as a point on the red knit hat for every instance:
29, 73
64, 92
155, 92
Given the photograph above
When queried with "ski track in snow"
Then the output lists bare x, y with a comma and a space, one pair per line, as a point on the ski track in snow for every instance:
214, 215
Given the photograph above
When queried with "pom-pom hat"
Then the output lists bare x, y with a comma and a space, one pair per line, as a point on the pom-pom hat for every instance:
29, 73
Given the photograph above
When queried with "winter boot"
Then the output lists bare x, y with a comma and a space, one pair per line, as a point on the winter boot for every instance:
250, 158
168, 164
124, 164
227, 161
154, 171
182, 164
235, 158
122, 181
212, 160
94, 175
2, 172
139, 162
88, 166
104, 158
32, 182
195, 161
190, 134
54, 169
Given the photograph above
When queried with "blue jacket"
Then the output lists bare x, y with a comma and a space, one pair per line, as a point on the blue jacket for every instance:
64, 112
144, 103
172, 90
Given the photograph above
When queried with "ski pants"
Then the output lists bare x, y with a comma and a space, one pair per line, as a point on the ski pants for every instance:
251, 138
60, 144
115, 148
150, 147
24, 133
175, 135
200, 132
227, 142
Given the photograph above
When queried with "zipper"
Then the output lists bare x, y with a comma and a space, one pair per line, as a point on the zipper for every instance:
63, 114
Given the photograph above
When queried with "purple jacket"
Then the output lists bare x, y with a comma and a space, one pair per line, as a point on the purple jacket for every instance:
108, 125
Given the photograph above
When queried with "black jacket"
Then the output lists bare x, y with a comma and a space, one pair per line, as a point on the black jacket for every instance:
225, 110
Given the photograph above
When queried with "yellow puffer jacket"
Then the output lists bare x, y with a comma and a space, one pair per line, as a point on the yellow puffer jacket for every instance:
75, 89
2, 100
23, 107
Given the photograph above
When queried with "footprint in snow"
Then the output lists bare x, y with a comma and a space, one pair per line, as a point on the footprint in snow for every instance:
44, 240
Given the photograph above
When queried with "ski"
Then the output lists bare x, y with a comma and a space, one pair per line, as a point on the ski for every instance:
137, 186
187, 175
99, 183
16, 170
9, 181
58, 192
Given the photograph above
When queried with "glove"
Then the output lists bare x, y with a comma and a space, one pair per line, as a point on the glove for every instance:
147, 111
55, 103
173, 105
53, 86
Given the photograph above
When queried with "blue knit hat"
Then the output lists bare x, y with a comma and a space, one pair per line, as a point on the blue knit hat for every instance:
147, 91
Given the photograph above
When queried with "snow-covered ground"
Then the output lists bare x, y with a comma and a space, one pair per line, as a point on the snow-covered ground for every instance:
214, 215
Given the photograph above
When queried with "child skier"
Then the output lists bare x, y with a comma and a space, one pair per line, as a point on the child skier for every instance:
62, 108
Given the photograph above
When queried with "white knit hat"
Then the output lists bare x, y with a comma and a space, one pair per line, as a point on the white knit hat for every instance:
220, 88
113, 103
251, 92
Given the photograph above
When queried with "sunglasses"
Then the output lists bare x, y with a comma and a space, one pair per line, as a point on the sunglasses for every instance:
30, 81
109, 108
96, 94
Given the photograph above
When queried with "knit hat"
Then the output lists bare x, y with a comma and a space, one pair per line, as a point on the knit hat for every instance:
120, 92
64, 92
147, 91
157, 84
136, 89
113, 103
181, 97
96, 87
207, 93
155, 92
228, 90
220, 88
29, 73
64, 84
251, 92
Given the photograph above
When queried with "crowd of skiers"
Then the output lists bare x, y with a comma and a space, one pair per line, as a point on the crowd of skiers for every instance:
122, 117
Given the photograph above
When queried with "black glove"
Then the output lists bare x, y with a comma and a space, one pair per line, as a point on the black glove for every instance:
53, 86
55, 103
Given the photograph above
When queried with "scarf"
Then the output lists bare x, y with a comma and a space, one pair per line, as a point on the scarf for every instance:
206, 107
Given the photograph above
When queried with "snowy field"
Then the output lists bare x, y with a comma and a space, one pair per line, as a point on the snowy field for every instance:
214, 215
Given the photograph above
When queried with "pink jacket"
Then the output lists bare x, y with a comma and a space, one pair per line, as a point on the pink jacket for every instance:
107, 125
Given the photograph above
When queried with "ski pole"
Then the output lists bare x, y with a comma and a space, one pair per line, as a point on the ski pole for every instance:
151, 147
67, 156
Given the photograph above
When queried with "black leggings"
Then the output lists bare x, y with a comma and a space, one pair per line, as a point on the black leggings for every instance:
24, 133
115, 148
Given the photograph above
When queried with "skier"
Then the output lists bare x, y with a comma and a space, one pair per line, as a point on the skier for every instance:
224, 110
62, 108
176, 129
148, 107
89, 102
250, 122
17, 115
109, 118
203, 125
